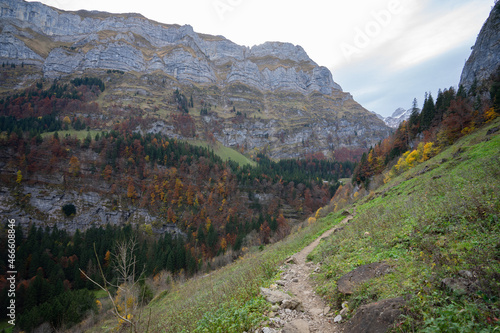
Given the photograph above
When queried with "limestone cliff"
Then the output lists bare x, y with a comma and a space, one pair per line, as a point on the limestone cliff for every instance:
485, 57
290, 104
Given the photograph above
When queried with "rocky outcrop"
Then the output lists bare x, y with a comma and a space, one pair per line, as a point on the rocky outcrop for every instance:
485, 57
42, 205
13, 48
465, 283
350, 281
378, 317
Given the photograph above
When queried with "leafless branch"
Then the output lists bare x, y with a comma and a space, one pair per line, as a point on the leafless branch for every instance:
126, 268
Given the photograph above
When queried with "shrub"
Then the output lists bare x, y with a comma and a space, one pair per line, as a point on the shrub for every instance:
69, 209
233, 317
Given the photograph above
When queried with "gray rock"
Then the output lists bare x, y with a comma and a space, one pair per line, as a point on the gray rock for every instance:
91, 210
316, 311
13, 48
291, 260
466, 274
464, 283
268, 330
456, 285
485, 55
375, 317
296, 326
274, 296
347, 283
292, 304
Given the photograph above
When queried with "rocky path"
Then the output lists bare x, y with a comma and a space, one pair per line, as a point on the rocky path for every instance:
305, 311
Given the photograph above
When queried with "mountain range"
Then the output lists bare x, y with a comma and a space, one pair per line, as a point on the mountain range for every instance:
397, 117
270, 97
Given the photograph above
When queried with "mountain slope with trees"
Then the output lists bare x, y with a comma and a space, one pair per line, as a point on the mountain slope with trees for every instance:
270, 98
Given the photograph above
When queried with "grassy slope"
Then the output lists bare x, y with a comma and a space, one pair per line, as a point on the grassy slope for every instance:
232, 288
226, 300
225, 153
81, 135
429, 223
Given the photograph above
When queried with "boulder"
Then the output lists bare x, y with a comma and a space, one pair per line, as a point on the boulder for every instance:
296, 326
465, 283
316, 311
376, 317
292, 304
268, 330
291, 261
347, 283
274, 296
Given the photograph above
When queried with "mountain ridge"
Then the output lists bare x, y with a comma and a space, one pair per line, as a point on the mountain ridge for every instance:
398, 116
299, 107
80, 27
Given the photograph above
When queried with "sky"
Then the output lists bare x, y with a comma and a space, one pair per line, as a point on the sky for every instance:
384, 52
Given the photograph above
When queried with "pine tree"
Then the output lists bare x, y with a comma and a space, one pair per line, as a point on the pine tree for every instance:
428, 113
414, 113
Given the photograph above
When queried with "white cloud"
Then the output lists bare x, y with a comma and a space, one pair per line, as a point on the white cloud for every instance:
429, 36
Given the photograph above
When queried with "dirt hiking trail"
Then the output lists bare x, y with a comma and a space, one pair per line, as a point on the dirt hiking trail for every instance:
313, 315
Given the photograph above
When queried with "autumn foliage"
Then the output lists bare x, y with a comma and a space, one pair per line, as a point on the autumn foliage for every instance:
439, 124
216, 204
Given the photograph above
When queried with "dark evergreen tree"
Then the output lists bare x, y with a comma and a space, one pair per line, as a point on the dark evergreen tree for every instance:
414, 116
428, 113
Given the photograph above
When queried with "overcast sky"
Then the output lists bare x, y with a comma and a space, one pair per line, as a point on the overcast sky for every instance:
384, 52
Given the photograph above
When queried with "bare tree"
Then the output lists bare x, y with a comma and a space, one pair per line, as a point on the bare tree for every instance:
124, 264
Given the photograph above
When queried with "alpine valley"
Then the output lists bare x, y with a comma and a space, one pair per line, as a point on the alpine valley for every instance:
128, 95
157, 179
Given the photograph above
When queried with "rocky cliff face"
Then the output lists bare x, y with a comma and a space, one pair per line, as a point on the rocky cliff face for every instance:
290, 103
43, 207
133, 43
485, 57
